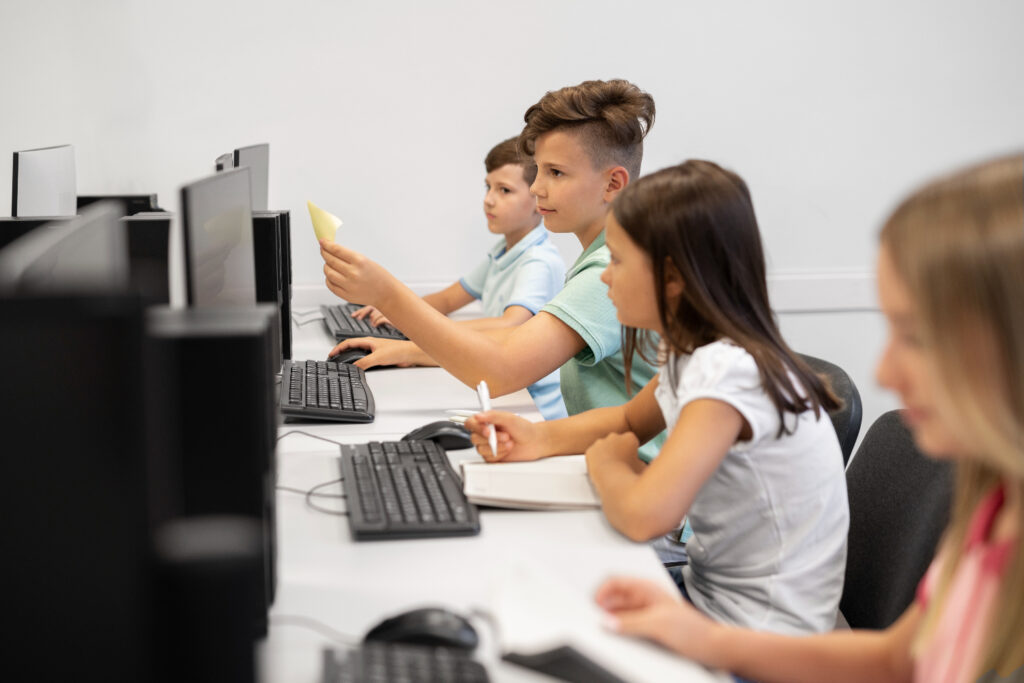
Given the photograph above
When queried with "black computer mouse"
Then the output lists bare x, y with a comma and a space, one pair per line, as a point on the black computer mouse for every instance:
349, 355
449, 435
426, 626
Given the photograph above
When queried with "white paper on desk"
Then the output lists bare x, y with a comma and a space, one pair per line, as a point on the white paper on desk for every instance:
558, 483
536, 612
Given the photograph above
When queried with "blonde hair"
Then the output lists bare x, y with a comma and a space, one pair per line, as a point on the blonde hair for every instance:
958, 246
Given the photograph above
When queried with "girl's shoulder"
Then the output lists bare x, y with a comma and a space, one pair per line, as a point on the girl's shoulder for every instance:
720, 364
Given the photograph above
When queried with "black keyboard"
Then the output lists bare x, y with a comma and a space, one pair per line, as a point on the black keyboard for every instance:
388, 662
404, 489
342, 325
323, 390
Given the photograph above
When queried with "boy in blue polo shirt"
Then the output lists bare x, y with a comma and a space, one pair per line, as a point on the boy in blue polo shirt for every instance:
520, 274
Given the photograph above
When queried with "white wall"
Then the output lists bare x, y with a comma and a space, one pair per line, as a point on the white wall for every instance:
381, 112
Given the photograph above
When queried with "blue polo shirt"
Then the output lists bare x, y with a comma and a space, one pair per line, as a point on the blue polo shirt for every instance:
528, 275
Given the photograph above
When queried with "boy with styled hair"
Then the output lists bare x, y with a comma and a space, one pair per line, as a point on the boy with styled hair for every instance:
520, 273
587, 142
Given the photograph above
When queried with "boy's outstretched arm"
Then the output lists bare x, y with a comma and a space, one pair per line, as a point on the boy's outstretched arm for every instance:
509, 359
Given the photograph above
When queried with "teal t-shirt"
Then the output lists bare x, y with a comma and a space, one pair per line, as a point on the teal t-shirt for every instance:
595, 377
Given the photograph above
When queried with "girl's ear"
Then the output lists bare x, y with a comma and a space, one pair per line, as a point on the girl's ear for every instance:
674, 285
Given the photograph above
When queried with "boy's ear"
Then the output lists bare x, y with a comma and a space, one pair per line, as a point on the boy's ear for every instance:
674, 284
618, 178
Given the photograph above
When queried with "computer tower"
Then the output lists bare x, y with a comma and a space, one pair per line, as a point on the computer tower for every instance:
272, 254
149, 235
221, 419
11, 228
209, 566
131, 204
74, 516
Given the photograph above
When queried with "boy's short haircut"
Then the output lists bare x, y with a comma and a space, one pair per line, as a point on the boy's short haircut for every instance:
507, 152
610, 119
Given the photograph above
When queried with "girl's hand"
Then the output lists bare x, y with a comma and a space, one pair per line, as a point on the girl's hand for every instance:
376, 317
354, 277
640, 608
399, 353
613, 448
518, 439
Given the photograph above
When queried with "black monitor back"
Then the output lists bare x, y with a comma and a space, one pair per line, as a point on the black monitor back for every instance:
149, 235
77, 581
11, 228
272, 253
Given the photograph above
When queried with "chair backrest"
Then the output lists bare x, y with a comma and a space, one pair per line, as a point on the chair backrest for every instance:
899, 507
846, 420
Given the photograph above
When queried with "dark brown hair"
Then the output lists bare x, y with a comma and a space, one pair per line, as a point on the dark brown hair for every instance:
507, 152
697, 218
609, 118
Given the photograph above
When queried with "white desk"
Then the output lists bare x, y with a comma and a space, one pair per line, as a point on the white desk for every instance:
351, 586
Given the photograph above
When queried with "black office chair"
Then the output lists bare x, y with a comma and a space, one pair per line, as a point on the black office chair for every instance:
899, 507
846, 420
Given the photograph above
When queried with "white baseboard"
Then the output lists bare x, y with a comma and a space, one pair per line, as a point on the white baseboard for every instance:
789, 291
821, 291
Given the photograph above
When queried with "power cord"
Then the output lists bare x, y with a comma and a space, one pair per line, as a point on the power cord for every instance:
314, 491
314, 625
317, 316
312, 436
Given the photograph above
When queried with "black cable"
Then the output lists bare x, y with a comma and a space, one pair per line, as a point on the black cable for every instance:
314, 625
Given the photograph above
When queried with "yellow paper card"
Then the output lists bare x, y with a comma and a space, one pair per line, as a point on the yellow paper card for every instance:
324, 224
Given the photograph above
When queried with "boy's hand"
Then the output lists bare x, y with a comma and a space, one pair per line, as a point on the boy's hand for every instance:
376, 317
394, 352
638, 607
518, 439
354, 277
613, 448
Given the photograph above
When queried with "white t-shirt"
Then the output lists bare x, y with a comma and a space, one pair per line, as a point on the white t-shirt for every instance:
768, 550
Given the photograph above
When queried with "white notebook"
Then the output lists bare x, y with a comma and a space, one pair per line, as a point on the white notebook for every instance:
558, 483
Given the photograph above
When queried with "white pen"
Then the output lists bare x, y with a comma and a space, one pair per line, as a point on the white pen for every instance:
485, 404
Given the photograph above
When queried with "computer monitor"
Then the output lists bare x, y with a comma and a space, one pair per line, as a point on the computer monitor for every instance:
86, 253
257, 158
217, 220
44, 182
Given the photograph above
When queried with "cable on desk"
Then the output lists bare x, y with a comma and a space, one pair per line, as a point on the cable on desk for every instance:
313, 492
303, 492
314, 625
300, 323
308, 311
312, 436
